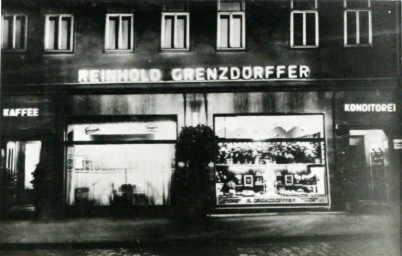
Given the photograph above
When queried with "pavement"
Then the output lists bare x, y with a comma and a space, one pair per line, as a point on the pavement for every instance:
287, 234
355, 247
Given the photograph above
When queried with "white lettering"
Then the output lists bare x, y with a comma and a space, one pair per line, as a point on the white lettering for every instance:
188, 74
304, 71
199, 74
6, 111
134, 75
247, 73
212, 73
280, 70
269, 70
258, 72
155, 75
234, 73
224, 71
82, 76
292, 69
177, 74
122, 74
94, 75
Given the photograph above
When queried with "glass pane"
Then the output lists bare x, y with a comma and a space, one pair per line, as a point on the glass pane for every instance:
303, 4
351, 27
20, 32
168, 32
270, 127
364, 27
104, 174
298, 29
21, 161
224, 31
181, 32
310, 29
112, 33
7, 32
53, 28
125, 33
65, 33
270, 173
230, 5
236, 31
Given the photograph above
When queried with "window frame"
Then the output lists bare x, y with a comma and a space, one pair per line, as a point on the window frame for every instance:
243, 30
132, 37
323, 155
13, 49
345, 28
317, 36
59, 16
187, 31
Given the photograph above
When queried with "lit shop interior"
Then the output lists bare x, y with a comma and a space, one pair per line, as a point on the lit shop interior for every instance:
106, 160
271, 160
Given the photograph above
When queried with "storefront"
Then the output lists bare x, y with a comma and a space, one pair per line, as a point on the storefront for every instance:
28, 137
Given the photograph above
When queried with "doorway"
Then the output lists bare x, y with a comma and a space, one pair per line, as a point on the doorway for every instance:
368, 158
21, 159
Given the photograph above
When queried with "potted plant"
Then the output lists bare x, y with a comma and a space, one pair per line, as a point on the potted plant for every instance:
195, 150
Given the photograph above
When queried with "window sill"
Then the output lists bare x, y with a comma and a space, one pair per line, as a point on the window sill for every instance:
59, 51
175, 50
357, 45
118, 51
13, 50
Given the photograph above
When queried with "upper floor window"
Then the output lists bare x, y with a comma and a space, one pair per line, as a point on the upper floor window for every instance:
175, 31
119, 33
14, 28
59, 33
357, 23
304, 31
231, 32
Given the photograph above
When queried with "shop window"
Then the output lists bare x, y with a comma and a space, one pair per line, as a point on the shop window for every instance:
21, 160
271, 160
357, 23
304, 24
231, 25
14, 32
133, 159
59, 31
175, 31
119, 32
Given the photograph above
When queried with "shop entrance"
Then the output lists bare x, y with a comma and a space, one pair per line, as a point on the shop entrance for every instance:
20, 161
367, 157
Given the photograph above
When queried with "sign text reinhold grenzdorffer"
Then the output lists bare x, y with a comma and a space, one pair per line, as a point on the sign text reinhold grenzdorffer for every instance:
193, 74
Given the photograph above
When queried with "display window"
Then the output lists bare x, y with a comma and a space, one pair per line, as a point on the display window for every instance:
271, 160
131, 160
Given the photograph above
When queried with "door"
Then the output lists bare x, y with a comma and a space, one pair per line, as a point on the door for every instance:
21, 159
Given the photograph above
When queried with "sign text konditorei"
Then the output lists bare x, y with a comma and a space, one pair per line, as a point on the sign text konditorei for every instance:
193, 74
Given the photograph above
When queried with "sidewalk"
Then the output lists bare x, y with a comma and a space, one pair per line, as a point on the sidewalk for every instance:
233, 228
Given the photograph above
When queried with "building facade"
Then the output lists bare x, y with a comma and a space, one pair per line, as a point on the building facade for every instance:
303, 95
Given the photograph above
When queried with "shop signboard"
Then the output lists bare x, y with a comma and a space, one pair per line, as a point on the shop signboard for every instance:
198, 74
397, 143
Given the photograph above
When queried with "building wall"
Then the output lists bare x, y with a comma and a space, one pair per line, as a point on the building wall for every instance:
267, 41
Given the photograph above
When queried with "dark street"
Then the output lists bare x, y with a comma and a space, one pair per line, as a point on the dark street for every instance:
335, 247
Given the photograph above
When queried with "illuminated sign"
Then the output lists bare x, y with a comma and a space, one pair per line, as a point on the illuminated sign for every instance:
373, 107
201, 74
17, 112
